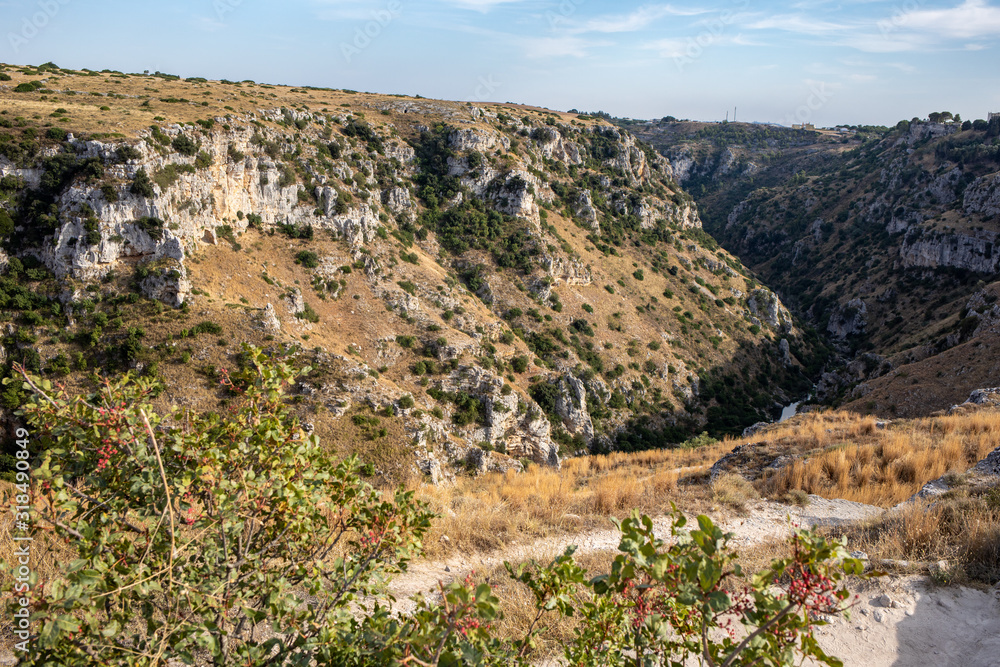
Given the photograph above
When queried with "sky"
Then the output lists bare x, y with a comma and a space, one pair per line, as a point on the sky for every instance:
816, 61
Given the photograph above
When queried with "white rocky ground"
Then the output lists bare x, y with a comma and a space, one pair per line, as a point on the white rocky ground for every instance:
898, 622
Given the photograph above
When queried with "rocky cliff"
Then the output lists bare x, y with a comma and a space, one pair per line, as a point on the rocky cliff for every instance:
476, 284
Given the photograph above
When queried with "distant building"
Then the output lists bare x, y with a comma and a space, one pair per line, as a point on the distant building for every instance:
804, 126
993, 114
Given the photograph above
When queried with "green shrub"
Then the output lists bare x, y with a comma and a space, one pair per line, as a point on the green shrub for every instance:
308, 314
203, 160
288, 177
207, 327
519, 364
150, 225
169, 174
142, 185
307, 258
296, 231
127, 153
185, 145
6, 224
28, 87
56, 134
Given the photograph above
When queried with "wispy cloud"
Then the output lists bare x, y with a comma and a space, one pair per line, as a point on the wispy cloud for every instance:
972, 18
679, 48
904, 31
481, 5
798, 24
561, 46
208, 24
636, 20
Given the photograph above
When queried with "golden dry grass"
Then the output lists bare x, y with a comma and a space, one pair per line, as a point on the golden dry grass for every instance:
48, 555
488, 512
852, 459
733, 490
843, 456
962, 528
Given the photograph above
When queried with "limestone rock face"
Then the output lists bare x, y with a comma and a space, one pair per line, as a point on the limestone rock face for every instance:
188, 209
556, 147
974, 250
990, 465
683, 164
472, 139
571, 406
294, 302
848, 320
569, 271
983, 196
585, 210
167, 285
515, 194
765, 305
521, 434
398, 200
786, 353
482, 462
920, 131
268, 321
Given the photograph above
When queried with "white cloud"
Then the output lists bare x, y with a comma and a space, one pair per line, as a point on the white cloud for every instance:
894, 43
555, 47
207, 24
973, 18
481, 5
636, 20
668, 48
686, 48
798, 24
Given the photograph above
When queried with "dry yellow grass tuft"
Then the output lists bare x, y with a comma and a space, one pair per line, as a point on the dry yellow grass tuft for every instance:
734, 491
882, 466
487, 512
963, 528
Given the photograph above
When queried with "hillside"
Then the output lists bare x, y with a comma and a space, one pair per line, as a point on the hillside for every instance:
881, 239
471, 284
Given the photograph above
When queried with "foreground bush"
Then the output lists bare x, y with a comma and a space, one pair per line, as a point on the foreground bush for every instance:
234, 540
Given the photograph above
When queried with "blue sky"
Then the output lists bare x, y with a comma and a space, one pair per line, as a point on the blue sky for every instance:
856, 61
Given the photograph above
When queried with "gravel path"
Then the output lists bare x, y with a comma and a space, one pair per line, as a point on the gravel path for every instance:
898, 622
